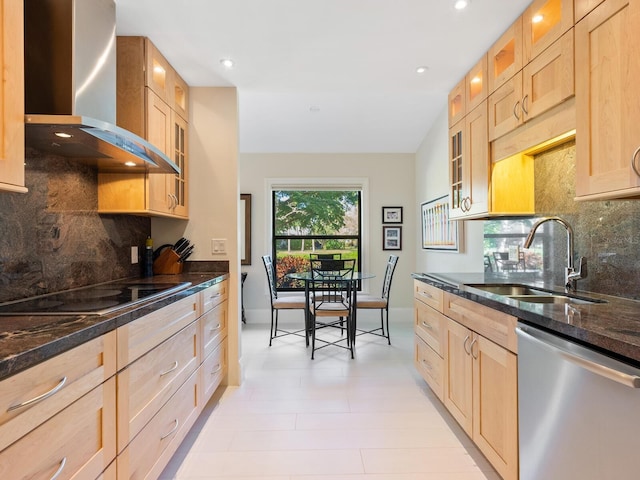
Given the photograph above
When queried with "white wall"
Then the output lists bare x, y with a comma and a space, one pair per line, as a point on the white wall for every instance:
214, 195
391, 183
432, 181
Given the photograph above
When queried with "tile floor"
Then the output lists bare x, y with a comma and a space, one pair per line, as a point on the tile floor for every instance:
332, 418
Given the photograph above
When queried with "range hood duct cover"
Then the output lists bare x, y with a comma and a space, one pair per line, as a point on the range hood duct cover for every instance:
70, 88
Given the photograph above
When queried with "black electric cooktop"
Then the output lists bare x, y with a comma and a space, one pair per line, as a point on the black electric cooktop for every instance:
94, 300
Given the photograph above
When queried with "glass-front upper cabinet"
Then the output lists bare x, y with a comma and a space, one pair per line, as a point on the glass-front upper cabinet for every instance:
477, 84
543, 23
457, 103
505, 56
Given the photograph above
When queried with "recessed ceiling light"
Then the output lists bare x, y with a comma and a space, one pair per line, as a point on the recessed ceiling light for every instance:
63, 135
461, 4
537, 18
421, 69
227, 63
314, 108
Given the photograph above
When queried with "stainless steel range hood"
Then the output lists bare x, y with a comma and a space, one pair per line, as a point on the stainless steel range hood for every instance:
70, 88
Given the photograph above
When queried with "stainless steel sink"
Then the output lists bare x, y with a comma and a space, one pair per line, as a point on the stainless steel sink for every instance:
525, 293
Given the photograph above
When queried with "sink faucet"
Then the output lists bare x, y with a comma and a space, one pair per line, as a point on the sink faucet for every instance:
571, 274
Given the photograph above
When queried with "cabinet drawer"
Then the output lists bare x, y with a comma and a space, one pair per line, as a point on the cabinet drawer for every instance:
147, 384
148, 453
428, 294
213, 296
110, 473
430, 365
429, 325
214, 327
138, 337
58, 381
492, 324
213, 370
79, 442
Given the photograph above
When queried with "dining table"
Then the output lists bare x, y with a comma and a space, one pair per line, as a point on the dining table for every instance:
307, 278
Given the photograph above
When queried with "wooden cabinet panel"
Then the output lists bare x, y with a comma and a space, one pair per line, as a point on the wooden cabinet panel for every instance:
12, 96
548, 80
159, 73
148, 453
214, 327
607, 101
457, 102
583, 7
432, 296
147, 384
495, 405
544, 22
505, 109
458, 393
138, 337
430, 365
214, 295
66, 378
477, 84
213, 370
505, 57
429, 326
80, 441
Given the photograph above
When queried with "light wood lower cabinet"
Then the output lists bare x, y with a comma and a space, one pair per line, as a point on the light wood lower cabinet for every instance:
467, 355
78, 442
149, 452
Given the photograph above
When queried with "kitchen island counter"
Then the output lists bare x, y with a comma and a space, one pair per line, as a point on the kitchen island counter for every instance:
612, 327
26, 340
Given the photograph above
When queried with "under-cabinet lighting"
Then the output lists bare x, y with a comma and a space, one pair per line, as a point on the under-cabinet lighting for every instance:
130, 164
63, 135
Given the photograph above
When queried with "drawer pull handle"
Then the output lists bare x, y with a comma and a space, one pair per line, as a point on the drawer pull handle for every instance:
217, 327
218, 368
425, 294
175, 365
63, 462
427, 365
39, 398
426, 325
177, 423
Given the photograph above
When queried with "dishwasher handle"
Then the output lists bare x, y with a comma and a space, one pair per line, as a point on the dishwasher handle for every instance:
591, 364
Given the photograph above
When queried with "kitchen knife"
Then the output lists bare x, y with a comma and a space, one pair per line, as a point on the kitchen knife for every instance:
179, 244
185, 253
184, 246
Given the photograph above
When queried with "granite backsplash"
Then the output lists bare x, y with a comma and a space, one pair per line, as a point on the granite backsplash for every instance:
53, 238
606, 232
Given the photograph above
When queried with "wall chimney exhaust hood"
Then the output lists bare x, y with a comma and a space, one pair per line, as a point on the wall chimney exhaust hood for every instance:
70, 88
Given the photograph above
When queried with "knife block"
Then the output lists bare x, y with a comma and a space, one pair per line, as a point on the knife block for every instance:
167, 263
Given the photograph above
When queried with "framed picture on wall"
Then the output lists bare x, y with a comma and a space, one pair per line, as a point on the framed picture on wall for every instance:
438, 231
391, 238
391, 214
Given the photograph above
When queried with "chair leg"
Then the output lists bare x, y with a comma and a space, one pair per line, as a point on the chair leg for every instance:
313, 337
271, 334
382, 323
386, 310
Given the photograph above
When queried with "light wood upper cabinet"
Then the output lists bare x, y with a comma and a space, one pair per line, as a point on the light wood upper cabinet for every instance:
543, 23
546, 81
457, 102
477, 84
12, 96
469, 164
505, 56
608, 101
582, 7
152, 103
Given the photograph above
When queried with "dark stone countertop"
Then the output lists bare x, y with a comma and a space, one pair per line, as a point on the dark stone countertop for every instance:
612, 328
28, 340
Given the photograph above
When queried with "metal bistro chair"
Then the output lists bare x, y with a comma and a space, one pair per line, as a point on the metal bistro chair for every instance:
369, 302
331, 297
325, 256
289, 302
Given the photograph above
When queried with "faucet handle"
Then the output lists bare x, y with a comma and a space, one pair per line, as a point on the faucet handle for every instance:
580, 272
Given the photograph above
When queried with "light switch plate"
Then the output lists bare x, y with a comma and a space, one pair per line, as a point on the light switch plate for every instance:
218, 246
134, 254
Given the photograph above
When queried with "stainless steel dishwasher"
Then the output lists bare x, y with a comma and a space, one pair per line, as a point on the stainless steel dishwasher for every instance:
578, 411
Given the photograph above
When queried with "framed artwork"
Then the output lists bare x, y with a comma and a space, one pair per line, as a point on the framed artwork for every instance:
391, 214
245, 228
391, 238
438, 231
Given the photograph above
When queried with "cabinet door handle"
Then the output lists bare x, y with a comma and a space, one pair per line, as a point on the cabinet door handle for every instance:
633, 161
426, 325
475, 340
175, 365
515, 107
39, 398
467, 202
218, 368
63, 462
524, 104
177, 423
464, 345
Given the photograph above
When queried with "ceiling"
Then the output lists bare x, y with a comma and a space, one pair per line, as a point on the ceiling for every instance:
324, 76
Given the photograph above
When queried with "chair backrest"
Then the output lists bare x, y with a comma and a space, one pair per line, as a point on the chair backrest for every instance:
331, 280
388, 276
325, 256
271, 276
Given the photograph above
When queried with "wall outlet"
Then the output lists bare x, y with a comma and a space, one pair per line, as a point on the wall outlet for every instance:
218, 246
134, 254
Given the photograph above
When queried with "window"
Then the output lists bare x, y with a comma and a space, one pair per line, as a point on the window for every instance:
503, 241
314, 221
